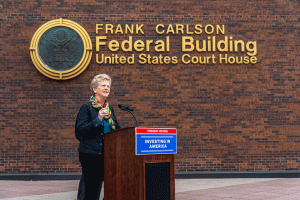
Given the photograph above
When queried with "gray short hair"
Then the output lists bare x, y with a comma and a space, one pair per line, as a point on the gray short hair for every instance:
97, 79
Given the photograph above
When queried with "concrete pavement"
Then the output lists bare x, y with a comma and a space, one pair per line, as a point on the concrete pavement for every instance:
185, 189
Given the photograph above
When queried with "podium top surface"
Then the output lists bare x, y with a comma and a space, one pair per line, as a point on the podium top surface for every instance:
133, 127
121, 129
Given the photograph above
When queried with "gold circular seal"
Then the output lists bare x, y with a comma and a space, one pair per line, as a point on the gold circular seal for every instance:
61, 49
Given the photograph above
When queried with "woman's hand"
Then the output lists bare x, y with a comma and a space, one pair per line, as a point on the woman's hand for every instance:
103, 113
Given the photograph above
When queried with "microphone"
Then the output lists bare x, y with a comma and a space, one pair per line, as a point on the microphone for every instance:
123, 107
128, 109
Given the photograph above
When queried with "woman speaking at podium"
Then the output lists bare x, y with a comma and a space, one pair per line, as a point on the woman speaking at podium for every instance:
93, 120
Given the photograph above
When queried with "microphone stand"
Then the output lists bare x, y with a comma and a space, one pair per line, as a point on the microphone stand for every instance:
137, 124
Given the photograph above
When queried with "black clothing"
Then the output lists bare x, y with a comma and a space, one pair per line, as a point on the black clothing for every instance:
88, 131
90, 134
81, 189
93, 170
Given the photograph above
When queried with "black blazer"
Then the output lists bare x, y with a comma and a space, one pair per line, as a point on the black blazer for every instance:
88, 131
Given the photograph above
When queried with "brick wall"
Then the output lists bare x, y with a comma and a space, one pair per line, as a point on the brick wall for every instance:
229, 117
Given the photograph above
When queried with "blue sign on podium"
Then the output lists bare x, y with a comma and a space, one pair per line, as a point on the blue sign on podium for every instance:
155, 141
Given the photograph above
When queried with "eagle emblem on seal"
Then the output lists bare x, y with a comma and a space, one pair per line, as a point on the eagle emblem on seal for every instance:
61, 48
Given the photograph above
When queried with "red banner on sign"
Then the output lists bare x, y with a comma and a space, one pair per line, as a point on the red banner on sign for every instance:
156, 131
